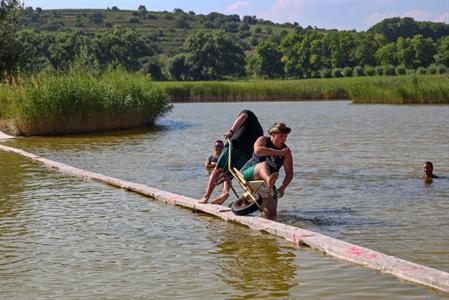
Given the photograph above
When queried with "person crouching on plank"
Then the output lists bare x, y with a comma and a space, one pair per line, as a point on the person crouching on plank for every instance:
243, 133
270, 154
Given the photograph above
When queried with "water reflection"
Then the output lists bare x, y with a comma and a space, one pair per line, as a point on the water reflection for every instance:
255, 265
357, 180
12, 224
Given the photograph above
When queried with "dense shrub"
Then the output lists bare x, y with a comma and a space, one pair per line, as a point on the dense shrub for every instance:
421, 71
315, 74
369, 71
379, 70
336, 73
358, 71
82, 101
432, 70
347, 72
389, 70
441, 69
400, 70
181, 23
325, 73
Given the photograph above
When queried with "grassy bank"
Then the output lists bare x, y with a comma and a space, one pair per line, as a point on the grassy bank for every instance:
380, 89
257, 90
424, 89
81, 101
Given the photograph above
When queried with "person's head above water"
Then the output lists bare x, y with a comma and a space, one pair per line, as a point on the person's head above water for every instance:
428, 170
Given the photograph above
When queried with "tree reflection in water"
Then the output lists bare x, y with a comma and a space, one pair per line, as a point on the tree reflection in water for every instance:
254, 264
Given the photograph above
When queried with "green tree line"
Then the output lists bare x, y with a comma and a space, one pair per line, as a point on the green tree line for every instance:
218, 51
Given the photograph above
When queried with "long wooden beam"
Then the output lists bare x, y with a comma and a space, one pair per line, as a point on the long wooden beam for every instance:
5, 136
400, 268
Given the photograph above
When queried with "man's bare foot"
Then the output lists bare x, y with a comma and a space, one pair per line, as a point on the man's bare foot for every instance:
220, 199
204, 200
272, 179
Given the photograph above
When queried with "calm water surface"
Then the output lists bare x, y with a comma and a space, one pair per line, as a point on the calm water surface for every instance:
357, 178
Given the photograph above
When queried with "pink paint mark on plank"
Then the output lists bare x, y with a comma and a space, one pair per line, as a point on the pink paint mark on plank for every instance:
294, 238
356, 251
409, 269
361, 253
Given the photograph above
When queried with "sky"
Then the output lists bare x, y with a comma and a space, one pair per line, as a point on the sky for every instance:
330, 14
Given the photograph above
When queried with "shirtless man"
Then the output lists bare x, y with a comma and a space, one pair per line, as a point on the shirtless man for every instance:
270, 155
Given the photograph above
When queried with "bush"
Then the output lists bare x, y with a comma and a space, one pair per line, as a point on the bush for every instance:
153, 68
244, 34
358, 71
315, 74
244, 27
389, 70
258, 30
432, 70
134, 20
401, 70
379, 71
254, 42
83, 101
369, 71
421, 71
347, 72
325, 73
441, 69
181, 23
336, 73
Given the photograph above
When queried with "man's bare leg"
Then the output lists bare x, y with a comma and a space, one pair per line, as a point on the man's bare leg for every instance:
262, 171
211, 184
269, 209
224, 195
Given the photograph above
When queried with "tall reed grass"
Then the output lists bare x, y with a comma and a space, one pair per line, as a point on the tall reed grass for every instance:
425, 89
81, 101
260, 90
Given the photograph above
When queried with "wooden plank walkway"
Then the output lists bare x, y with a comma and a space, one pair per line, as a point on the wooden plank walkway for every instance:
4, 136
400, 268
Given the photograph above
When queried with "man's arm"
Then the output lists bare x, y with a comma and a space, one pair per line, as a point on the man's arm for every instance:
209, 165
236, 125
261, 150
288, 167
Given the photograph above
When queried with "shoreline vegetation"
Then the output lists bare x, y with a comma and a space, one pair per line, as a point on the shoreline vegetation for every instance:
407, 89
80, 101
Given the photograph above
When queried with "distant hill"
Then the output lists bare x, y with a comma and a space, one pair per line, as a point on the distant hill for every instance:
168, 29
183, 45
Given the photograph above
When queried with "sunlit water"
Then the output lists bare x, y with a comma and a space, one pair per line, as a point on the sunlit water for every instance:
357, 178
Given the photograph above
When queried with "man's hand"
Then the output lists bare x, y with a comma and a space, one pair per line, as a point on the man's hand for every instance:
281, 191
228, 134
284, 151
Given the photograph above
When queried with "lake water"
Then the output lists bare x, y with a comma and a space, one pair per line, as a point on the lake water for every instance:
357, 178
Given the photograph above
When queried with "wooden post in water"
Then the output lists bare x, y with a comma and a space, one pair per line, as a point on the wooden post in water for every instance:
400, 268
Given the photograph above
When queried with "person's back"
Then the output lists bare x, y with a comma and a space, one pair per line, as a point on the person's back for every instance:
245, 136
